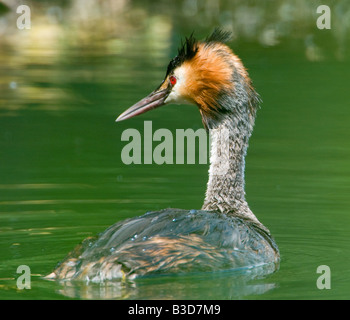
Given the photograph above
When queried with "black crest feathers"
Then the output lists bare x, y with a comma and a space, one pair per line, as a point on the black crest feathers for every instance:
186, 52
189, 47
219, 35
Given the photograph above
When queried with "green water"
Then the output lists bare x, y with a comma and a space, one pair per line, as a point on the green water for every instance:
63, 83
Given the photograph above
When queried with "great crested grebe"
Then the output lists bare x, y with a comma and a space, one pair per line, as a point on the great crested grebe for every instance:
224, 234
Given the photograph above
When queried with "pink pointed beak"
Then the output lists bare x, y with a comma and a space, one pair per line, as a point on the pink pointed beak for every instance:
154, 100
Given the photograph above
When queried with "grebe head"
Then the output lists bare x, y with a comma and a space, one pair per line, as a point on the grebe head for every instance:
207, 74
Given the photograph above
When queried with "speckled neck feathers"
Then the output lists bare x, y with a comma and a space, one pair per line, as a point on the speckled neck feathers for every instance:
229, 142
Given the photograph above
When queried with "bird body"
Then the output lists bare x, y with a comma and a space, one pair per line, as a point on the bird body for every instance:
170, 241
224, 234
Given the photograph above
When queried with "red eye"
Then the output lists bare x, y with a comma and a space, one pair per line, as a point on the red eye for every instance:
172, 80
